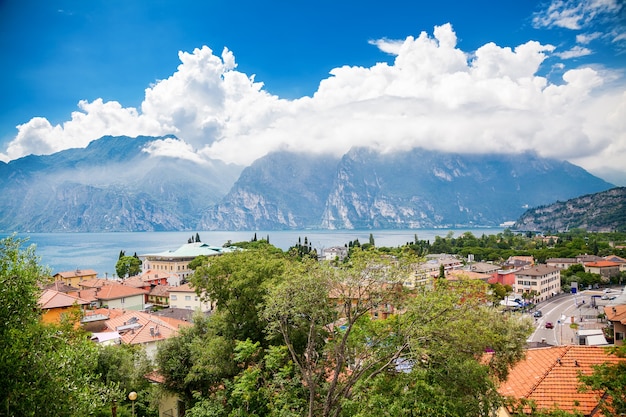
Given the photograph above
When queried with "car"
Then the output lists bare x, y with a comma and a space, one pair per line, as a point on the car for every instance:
606, 290
538, 313
549, 325
604, 297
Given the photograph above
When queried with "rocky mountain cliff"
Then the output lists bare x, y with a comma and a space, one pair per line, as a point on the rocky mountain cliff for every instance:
114, 185
411, 189
600, 212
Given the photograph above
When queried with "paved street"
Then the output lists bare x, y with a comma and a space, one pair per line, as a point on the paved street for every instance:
566, 309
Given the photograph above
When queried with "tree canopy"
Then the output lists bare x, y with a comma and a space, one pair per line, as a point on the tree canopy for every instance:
296, 337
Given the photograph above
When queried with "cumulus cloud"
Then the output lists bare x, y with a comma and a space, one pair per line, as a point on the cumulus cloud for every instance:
433, 95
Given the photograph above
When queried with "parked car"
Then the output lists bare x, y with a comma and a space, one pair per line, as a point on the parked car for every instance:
549, 325
538, 313
607, 290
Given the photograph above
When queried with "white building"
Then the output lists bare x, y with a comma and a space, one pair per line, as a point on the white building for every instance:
543, 279
186, 297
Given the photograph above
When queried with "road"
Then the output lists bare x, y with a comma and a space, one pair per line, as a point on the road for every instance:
566, 309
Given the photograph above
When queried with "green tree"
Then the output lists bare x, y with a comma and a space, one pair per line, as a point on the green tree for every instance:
609, 379
128, 266
46, 369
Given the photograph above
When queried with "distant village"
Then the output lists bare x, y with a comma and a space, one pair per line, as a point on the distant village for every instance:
152, 306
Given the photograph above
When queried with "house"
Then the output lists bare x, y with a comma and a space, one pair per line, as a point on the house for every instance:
185, 296
561, 263
159, 295
121, 296
617, 260
606, 269
72, 278
548, 377
144, 329
519, 262
543, 279
616, 315
504, 277
177, 261
458, 274
484, 268
55, 305
338, 253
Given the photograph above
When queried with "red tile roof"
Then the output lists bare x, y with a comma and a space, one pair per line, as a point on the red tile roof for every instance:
115, 291
616, 313
54, 299
142, 323
76, 273
601, 264
549, 377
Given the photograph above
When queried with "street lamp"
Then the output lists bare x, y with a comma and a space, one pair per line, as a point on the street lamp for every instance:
132, 396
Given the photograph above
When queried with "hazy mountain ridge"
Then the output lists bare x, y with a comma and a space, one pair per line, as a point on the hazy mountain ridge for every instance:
409, 189
111, 185
114, 185
599, 212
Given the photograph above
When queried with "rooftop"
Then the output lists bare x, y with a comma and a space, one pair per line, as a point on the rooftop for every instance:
549, 377
190, 250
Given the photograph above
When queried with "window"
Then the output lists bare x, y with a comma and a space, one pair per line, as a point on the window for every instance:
173, 297
122, 300
188, 298
619, 336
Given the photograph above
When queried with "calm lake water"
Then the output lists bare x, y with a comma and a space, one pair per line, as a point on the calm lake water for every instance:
100, 251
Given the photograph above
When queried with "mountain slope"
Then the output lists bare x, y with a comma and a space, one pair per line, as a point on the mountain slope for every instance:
111, 185
279, 191
599, 212
412, 189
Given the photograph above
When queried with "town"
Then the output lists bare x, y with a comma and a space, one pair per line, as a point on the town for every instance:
574, 309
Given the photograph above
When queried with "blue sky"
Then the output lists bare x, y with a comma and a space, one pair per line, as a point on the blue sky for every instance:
482, 76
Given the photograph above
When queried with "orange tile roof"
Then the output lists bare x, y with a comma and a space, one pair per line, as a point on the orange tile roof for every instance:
115, 291
162, 327
76, 273
616, 313
601, 264
54, 299
93, 283
182, 288
549, 377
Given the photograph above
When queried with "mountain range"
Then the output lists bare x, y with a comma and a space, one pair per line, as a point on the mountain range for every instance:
599, 212
115, 185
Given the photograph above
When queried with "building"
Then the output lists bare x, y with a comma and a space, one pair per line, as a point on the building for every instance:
140, 328
544, 280
549, 378
606, 269
72, 278
159, 295
561, 263
617, 260
177, 261
338, 253
616, 315
121, 296
55, 305
185, 296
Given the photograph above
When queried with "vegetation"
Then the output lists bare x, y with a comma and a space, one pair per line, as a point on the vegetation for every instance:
50, 369
128, 266
295, 337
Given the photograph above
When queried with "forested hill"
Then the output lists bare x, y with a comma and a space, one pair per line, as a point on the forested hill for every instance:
600, 212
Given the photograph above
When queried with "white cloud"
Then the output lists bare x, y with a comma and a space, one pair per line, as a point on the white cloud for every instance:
574, 52
433, 95
574, 14
586, 38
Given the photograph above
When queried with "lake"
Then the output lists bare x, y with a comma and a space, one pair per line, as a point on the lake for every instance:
100, 251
